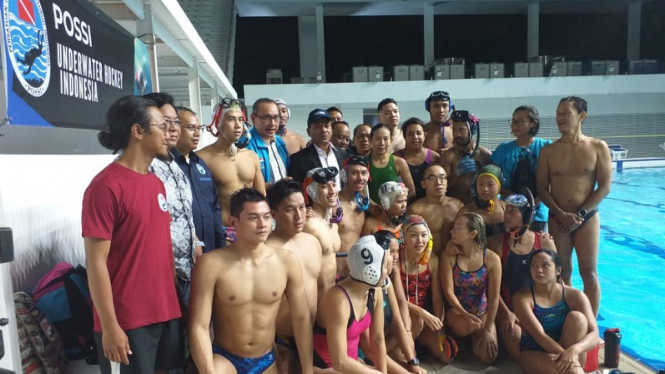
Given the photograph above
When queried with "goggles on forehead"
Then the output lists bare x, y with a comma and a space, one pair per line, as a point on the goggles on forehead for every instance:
464, 116
230, 103
388, 188
357, 160
519, 201
440, 95
324, 175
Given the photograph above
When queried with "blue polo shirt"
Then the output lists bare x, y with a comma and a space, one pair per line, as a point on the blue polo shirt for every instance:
205, 206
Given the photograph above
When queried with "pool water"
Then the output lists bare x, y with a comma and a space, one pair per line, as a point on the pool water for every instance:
631, 263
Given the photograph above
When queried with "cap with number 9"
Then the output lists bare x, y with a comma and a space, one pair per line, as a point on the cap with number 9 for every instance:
366, 261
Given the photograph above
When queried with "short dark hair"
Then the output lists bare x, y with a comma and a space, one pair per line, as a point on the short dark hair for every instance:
120, 118
579, 103
383, 238
161, 98
185, 109
553, 255
532, 112
355, 130
334, 109
263, 100
378, 127
280, 191
412, 121
339, 122
385, 102
242, 196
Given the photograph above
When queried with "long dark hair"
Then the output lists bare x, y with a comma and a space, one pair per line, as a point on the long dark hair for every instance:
121, 116
553, 255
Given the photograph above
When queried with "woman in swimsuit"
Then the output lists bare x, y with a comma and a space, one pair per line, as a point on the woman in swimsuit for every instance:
514, 247
392, 197
418, 276
350, 308
558, 324
416, 156
471, 282
397, 322
485, 190
383, 166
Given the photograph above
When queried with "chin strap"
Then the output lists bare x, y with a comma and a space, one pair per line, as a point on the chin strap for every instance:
516, 234
339, 214
398, 220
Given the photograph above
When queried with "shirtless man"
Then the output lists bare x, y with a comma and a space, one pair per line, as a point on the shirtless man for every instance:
457, 162
439, 130
321, 191
294, 141
389, 116
230, 287
232, 167
287, 206
393, 197
436, 208
567, 174
354, 199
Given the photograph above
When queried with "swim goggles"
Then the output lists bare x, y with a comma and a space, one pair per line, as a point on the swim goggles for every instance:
442, 95
357, 160
324, 175
464, 116
519, 201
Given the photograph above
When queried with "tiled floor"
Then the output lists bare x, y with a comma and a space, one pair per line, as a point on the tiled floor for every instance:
461, 365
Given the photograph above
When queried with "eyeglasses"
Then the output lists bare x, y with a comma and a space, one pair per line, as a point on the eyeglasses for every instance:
324, 175
171, 122
443, 95
268, 118
192, 128
432, 178
519, 201
358, 160
160, 126
519, 122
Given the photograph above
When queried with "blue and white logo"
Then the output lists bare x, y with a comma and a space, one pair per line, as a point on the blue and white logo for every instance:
201, 169
27, 44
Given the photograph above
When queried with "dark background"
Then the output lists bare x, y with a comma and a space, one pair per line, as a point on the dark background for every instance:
263, 43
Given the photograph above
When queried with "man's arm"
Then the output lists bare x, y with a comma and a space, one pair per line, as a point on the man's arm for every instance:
300, 316
217, 219
114, 340
543, 181
603, 177
200, 310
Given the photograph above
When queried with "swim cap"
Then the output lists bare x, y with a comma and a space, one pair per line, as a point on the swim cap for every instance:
361, 198
225, 105
412, 220
524, 204
389, 192
282, 130
494, 172
365, 261
468, 118
313, 178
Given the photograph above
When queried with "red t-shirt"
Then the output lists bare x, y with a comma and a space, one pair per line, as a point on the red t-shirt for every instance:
130, 209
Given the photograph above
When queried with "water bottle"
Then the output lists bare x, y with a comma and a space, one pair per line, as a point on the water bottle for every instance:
612, 347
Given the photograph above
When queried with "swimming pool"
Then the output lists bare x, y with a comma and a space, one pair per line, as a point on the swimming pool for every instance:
631, 263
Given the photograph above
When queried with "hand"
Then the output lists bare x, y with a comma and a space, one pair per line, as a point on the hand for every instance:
567, 360
451, 249
466, 165
198, 251
571, 221
487, 343
309, 212
431, 321
116, 345
509, 324
476, 322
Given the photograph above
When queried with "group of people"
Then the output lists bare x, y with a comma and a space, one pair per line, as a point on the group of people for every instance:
265, 252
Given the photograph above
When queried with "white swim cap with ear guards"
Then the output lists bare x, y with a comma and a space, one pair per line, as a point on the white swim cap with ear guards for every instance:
365, 261
389, 192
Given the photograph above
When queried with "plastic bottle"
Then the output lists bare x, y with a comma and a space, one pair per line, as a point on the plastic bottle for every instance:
612, 347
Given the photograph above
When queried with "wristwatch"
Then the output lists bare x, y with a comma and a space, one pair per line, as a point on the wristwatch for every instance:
414, 362
582, 212
199, 244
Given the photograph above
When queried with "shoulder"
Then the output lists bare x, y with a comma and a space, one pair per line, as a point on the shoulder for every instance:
434, 262
599, 144
399, 161
504, 147
492, 258
470, 207
575, 299
415, 207
495, 243
456, 203
435, 156
523, 294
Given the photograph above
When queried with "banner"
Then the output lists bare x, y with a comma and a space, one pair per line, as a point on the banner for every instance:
66, 62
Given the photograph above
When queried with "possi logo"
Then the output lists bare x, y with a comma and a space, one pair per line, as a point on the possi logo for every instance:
27, 44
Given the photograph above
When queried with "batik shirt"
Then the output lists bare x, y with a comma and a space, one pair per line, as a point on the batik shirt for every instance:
179, 200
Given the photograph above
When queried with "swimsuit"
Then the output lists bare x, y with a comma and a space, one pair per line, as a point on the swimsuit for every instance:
491, 228
353, 331
587, 217
551, 319
417, 289
516, 274
470, 287
245, 365
387, 309
417, 172
379, 176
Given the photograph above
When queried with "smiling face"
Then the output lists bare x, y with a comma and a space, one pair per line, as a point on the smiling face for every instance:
327, 193
357, 175
320, 132
415, 136
416, 238
341, 136
381, 141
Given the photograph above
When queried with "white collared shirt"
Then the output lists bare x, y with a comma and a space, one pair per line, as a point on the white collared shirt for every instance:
276, 164
328, 160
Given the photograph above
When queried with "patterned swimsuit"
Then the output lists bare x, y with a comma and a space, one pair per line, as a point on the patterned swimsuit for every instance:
470, 288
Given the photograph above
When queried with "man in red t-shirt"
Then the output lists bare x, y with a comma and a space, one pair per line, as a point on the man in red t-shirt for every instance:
128, 246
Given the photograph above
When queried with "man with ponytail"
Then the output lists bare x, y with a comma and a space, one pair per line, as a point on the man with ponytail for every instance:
232, 165
127, 239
